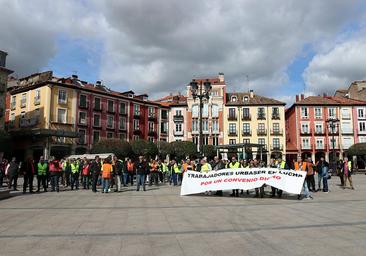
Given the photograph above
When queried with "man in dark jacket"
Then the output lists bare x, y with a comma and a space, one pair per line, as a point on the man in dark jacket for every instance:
117, 171
95, 168
28, 174
141, 172
13, 169
218, 165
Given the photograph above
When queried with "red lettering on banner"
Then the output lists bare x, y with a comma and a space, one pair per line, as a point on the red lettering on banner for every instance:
206, 183
218, 181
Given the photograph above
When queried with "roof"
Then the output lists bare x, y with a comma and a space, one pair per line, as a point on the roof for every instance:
173, 100
255, 100
328, 101
5, 70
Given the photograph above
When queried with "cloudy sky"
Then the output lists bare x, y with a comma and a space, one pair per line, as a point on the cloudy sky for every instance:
279, 48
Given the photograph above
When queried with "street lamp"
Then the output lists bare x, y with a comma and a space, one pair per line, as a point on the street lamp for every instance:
333, 123
201, 92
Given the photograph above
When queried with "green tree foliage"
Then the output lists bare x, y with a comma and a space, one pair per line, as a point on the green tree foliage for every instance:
183, 149
209, 151
358, 149
118, 147
165, 148
144, 148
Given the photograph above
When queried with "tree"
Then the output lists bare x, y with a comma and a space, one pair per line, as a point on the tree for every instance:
165, 148
209, 151
144, 148
183, 149
358, 149
5, 141
118, 147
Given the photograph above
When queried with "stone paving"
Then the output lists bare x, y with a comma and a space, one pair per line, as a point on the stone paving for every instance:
160, 222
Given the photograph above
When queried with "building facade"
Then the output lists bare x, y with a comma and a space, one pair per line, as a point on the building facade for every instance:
254, 119
62, 116
308, 129
4, 72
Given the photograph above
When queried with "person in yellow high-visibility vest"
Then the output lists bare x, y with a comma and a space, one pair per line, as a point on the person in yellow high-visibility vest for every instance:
234, 164
42, 174
74, 174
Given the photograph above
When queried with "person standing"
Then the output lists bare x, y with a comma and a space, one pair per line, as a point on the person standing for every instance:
107, 170
42, 167
12, 172
141, 171
340, 172
67, 173
347, 171
176, 171
28, 174
129, 172
118, 172
233, 165
258, 191
3, 165
154, 173
310, 175
217, 166
74, 175
282, 164
165, 171
302, 166
95, 168
86, 174
54, 168
272, 164
323, 167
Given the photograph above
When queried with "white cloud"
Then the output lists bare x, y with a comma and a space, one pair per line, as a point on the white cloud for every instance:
338, 67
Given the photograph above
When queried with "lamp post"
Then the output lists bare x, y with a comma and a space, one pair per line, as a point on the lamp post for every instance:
333, 122
201, 92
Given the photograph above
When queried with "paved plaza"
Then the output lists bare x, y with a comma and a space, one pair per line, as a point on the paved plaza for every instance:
160, 222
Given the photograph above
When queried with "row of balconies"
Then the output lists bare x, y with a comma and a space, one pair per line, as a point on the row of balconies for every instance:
249, 117
260, 132
316, 132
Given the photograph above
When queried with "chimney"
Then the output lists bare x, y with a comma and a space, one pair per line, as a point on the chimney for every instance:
3, 58
221, 77
98, 83
74, 77
302, 96
251, 93
297, 98
324, 95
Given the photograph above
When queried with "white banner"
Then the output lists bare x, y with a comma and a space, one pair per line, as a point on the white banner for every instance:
242, 178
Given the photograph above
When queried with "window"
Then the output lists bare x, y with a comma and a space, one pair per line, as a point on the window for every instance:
261, 113
195, 111
97, 105
61, 116
82, 101
246, 128
262, 141
232, 141
82, 118
232, 128
205, 125
136, 137
136, 125
37, 97
215, 93
275, 113
305, 143
110, 121
246, 114
151, 126
276, 127
151, 139
123, 136
205, 110
136, 110
346, 127
215, 125
346, 113
122, 108
331, 112
362, 139
22, 114
82, 139
62, 97
195, 140
234, 99
232, 113
164, 127
305, 128
122, 123
319, 144
178, 127
12, 117
178, 112
333, 143
110, 106
95, 137
261, 128
361, 113
195, 125
109, 135
151, 111
245, 98
319, 128
23, 100
347, 142
96, 120
215, 140
215, 111
246, 141
276, 143
318, 113
13, 102
362, 127
164, 114
304, 112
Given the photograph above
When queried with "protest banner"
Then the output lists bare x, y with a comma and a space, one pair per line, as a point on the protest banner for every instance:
242, 178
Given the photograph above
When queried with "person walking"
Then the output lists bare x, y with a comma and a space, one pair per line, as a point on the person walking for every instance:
347, 171
323, 167
141, 171
86, 174
28, 174
54, 167
340, 172
118, 167
302, 166
74, 174
107, 170
42, 167
310, 175
95, 169
12, 171
129, 172
233, 165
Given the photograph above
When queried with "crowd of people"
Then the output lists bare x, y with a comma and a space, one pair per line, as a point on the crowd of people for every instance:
112, 174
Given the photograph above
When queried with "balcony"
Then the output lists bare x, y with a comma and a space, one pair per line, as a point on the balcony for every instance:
347, 131
261, 117
319, 132
178, 133
330, 132
215, 131
152, 133
247, 133
178, 118
83, 121
232, 133
110, 126
98, 108
23, 103
67, 120
13, 105
276, 147
261, 132
28, 122
306, 146
305, 132
136, 131
110, 110
232, 118
277, 132
37, 100
152, 117
123, 112
320, 147
84, 105
122, 127
246, 117
276, 116
137, 115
